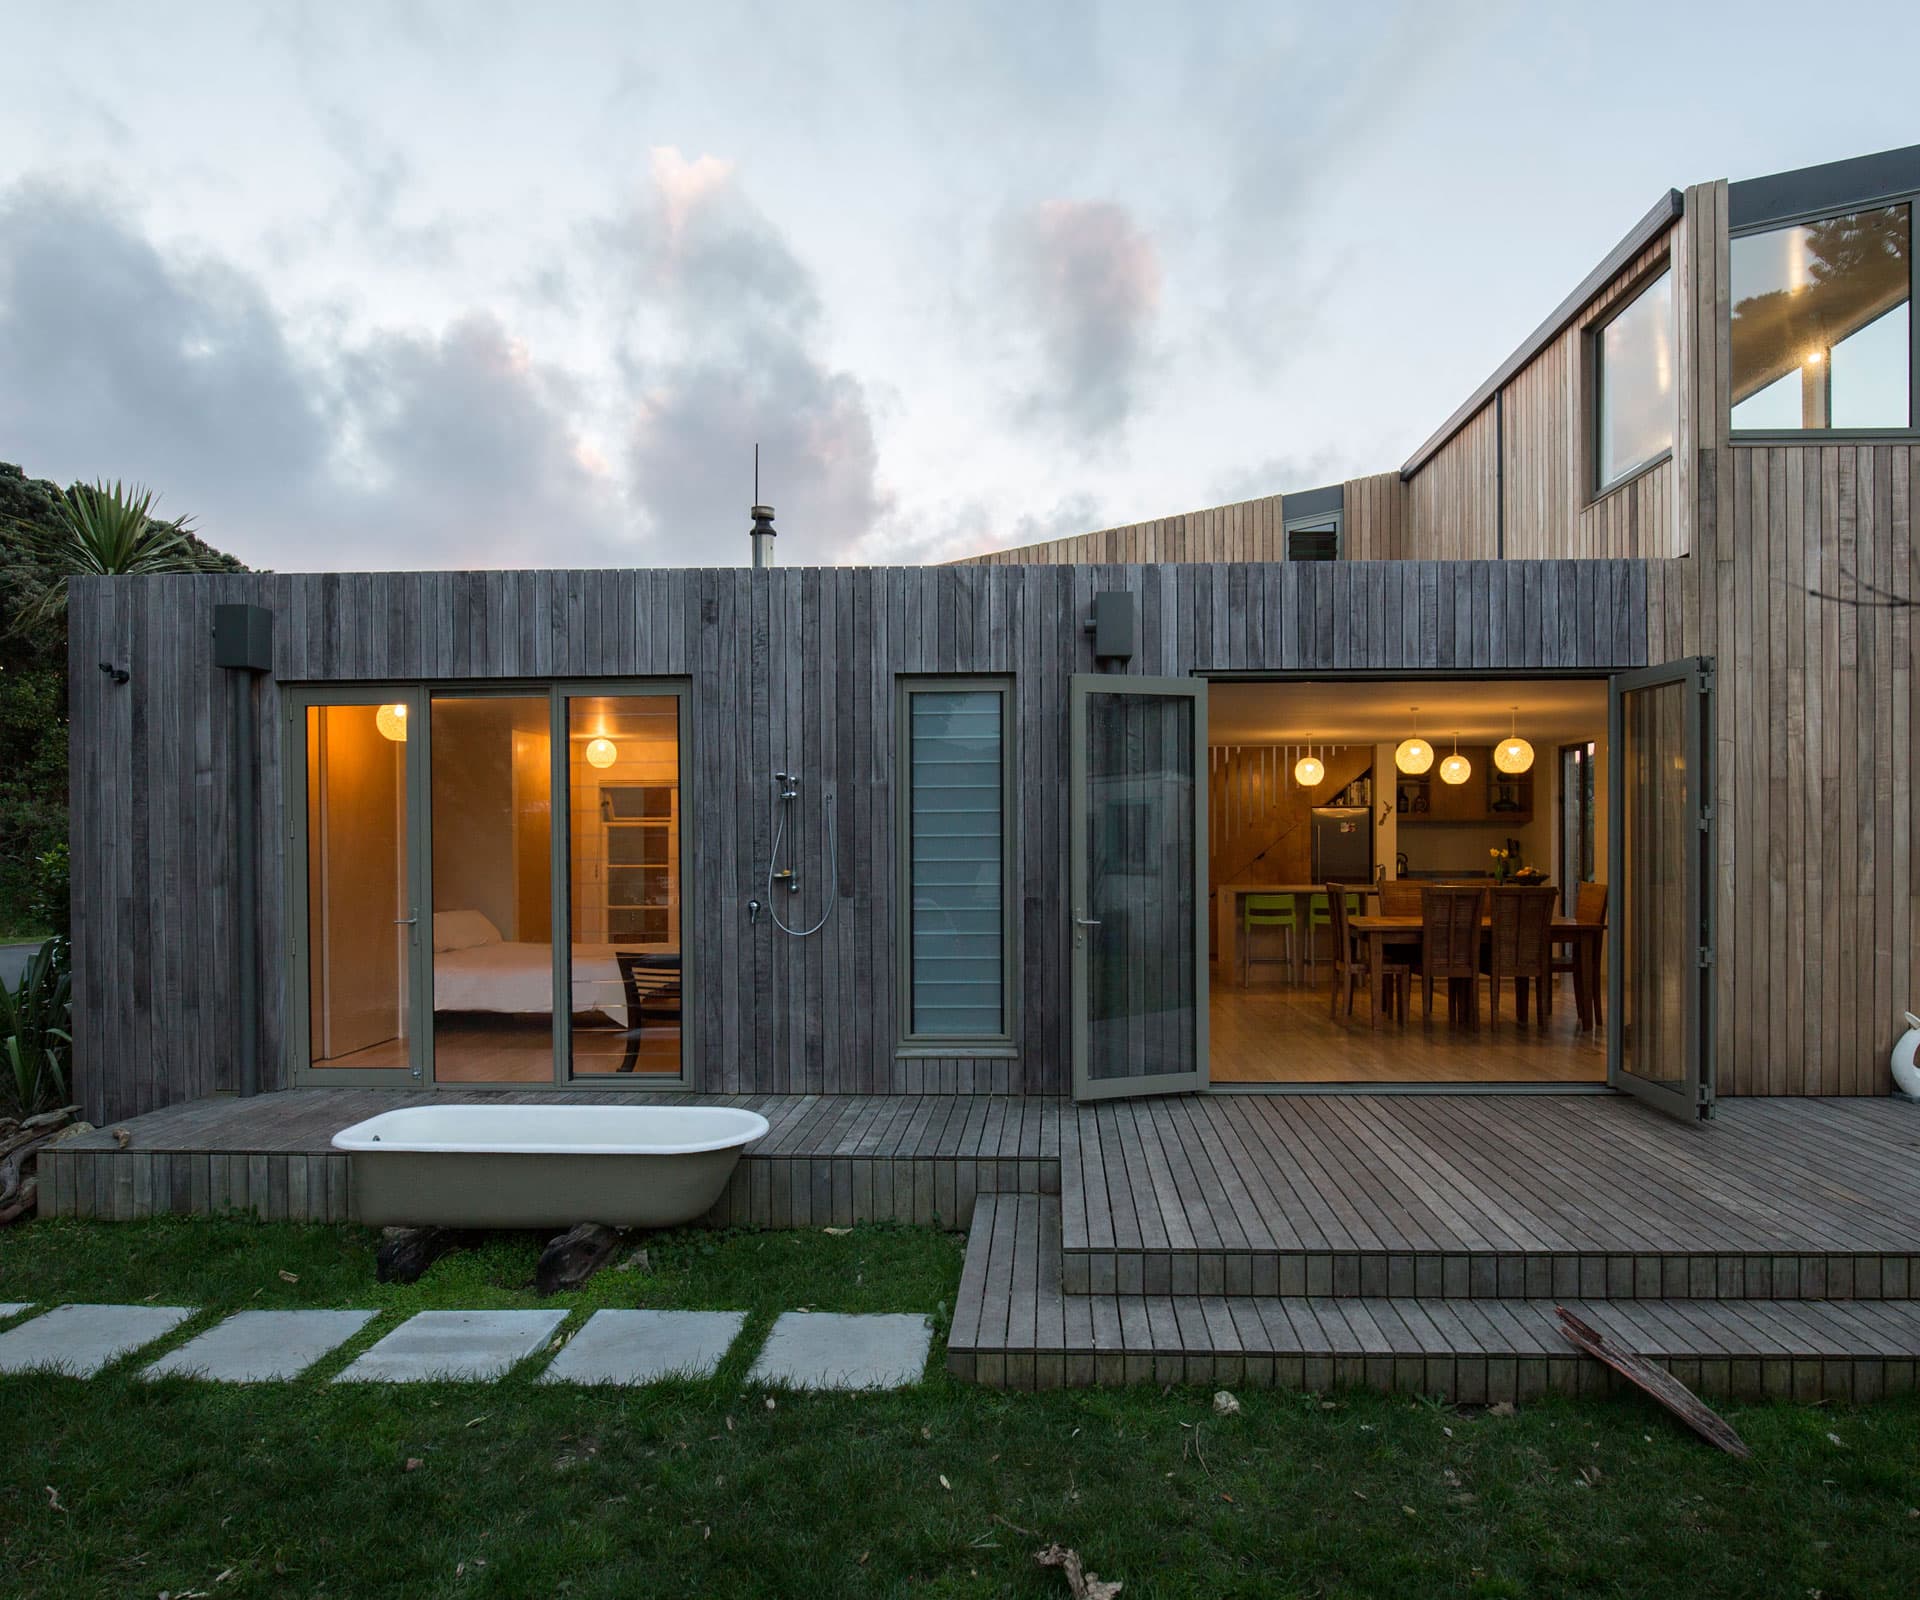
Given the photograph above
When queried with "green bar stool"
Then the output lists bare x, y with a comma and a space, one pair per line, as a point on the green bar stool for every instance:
1320, 915
1275, 911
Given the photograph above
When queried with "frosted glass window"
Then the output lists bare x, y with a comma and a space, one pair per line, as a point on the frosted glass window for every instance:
1637, 384
1821, 331
956, 851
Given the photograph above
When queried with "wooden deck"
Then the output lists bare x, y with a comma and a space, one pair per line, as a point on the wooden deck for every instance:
826, 1160
1405, 1242
1487, 1196
1015, 1328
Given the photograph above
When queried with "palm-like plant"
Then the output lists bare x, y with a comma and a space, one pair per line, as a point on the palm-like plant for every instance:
107, 530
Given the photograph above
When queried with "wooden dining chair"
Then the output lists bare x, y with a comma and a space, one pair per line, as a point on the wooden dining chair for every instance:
1520, 947
1450, 949
1590, 907
1353, 962
1399, 897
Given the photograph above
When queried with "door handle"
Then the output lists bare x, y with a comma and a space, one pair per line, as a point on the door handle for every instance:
405, 922
1087, 922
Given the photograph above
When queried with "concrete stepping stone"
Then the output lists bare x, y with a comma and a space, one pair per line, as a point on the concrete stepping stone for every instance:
645, 1346
459, 1346
260, 1346
80, 1340
831, 1350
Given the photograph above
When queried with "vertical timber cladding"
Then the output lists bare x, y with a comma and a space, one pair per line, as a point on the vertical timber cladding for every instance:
1817, 902
813, 652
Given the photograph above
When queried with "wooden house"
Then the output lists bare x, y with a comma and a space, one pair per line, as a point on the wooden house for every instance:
920, 855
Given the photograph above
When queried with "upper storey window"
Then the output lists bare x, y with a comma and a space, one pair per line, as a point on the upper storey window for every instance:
1822, 323
1635, 384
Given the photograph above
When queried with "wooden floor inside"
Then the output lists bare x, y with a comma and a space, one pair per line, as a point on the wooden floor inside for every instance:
1275, 1031
481, 1048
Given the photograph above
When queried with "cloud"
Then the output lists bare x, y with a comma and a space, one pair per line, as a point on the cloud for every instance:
409, 449
1083, 285
723, 346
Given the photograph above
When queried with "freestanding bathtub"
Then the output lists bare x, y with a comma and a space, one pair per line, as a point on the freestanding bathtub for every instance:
520, 1166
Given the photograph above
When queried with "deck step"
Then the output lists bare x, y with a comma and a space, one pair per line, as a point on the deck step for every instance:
1015, 1327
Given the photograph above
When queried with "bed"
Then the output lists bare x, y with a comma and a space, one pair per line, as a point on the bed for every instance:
474, 969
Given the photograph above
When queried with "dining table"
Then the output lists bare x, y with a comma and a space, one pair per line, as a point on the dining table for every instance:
1587, 938
1230, 897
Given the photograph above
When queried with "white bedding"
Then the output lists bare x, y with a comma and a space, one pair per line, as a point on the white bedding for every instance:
503, 976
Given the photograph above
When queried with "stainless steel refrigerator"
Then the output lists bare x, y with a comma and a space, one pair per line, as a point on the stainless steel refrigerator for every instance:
1342, 844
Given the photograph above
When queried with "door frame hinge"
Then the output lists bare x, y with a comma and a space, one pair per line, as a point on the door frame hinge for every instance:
1706, 955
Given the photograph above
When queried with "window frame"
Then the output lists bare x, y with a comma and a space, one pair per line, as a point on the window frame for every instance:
419, 693
1309, 522
907, 1042
1800, 219
1598, 488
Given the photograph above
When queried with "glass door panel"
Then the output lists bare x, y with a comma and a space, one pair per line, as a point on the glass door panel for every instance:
491, 779
623, 878
1661, 1011
358, 915
1138, 847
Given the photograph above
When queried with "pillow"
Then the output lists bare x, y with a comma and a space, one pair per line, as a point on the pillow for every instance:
462, 930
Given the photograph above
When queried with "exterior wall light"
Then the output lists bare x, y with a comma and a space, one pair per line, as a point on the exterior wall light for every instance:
392, 721
602, 753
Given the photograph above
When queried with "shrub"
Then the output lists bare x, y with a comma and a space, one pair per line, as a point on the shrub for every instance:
51, 902
36, 1030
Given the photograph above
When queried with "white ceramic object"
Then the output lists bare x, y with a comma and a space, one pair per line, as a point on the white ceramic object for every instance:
1906, 1068
516, 1166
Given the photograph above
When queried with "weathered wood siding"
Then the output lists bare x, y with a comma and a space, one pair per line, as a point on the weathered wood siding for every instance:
1248, 530
1453, 512
1818, 897
1377, 517
797, 663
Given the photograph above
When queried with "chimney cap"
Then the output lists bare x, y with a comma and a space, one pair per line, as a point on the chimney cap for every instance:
761, 513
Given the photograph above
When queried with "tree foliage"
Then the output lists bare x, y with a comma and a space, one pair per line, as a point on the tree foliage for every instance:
38, 523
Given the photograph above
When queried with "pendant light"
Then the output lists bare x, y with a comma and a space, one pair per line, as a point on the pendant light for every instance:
1308, 770
602, 753
1456, 768
392, 721
1415, 755
1513, 754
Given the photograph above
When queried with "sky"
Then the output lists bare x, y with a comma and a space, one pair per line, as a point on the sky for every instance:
370, 286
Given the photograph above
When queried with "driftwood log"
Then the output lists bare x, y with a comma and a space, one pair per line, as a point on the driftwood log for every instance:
405, 1253
575, 1256
1658, 1382
1081, 1584
20, 1142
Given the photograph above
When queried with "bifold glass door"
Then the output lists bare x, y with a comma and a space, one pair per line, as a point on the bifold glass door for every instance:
1138, 847
1659, 1043
487, 884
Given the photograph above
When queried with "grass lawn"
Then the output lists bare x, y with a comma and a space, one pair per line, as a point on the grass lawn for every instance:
113, 1486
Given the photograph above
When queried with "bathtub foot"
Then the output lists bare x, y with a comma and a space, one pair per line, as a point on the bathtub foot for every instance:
405, 1253
574, 1257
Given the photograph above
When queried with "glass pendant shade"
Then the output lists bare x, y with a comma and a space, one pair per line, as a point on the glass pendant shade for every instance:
602, 753
392, 721
1414, 756
1308, 771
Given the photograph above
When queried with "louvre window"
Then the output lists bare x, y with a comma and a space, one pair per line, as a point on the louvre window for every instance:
1314, 544
956, 853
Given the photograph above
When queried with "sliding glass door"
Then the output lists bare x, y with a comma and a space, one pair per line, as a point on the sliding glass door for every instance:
356, 891
487, 884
